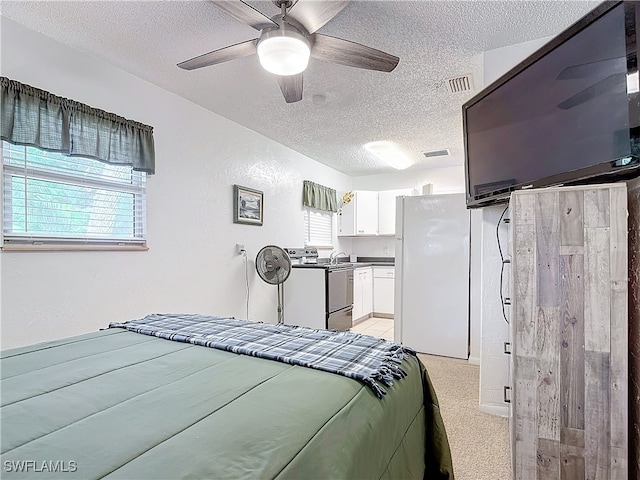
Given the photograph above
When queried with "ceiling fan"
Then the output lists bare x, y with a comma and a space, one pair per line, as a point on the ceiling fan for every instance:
288, 39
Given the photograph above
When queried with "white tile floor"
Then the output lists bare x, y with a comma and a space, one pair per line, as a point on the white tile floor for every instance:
376, 327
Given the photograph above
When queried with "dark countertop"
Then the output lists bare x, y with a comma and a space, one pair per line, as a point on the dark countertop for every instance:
362, 262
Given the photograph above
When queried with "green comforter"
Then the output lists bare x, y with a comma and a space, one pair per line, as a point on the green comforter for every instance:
116, 404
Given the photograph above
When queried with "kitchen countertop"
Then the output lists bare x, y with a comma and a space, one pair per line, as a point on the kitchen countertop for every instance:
362, 262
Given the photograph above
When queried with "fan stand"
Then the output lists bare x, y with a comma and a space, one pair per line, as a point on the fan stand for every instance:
274, 267
280, 303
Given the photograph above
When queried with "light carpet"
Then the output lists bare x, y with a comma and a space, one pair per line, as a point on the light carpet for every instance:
479, 441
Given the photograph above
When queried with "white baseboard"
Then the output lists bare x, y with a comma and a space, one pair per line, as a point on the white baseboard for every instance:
500, 410
474, 360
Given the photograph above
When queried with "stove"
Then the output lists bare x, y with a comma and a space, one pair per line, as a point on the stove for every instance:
320, 294
303, 256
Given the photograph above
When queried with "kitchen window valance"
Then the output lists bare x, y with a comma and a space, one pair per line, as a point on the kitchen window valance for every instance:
319, 197
35, 117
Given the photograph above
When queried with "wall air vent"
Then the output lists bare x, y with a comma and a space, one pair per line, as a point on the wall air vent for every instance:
460, 84
436, 153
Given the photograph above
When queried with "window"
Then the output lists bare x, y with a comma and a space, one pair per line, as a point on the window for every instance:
318, 227
51, 198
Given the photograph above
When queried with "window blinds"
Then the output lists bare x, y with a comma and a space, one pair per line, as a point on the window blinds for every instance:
50, 197
319, 228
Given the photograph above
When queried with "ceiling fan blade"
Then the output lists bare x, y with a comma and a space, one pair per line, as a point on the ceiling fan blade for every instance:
291, 87
313, 14
600, 68
245, 13
221, 55
609, 84
351, 54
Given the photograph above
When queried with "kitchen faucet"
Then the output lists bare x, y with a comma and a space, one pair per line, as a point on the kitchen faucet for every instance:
333, 258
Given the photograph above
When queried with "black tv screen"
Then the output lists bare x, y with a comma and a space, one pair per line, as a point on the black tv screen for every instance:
568, 114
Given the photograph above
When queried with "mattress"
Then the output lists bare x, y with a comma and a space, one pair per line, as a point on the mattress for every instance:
120, 405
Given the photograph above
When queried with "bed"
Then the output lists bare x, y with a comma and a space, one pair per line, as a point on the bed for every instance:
120, 404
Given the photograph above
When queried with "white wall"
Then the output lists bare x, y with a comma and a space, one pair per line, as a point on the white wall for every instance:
374, 246
444, 180
485, 281
191, 265
475, 291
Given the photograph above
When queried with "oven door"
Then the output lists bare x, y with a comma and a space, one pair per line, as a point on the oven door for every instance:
341, 320
339, 289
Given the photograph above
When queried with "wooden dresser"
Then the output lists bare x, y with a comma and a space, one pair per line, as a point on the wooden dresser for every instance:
569, 332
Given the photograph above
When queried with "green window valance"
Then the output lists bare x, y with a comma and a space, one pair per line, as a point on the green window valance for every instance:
319, 196
30, 116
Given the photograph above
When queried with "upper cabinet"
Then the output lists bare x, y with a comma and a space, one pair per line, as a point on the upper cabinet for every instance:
370, 213
387, 210
360, 216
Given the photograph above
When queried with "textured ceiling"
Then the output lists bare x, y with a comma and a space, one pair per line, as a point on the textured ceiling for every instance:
435, 41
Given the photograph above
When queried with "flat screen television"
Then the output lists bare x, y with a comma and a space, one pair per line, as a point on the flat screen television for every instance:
568, 114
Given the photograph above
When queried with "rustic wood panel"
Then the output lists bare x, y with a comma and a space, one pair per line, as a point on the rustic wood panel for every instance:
597, 309
548, 362
523, 428
619, 364
572, 454
620, 464
524, 261
571, 218
547, 248
633, 203
524, 418
572, 341
526, 207
597, 416
569, 251
548, 459
596, 207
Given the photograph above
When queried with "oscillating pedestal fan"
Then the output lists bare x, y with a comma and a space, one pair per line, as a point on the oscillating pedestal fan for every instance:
274, 266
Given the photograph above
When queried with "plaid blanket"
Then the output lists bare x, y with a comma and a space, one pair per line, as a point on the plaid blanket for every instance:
372, 361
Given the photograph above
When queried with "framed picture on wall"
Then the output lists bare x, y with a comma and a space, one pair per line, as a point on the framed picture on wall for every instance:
248, 205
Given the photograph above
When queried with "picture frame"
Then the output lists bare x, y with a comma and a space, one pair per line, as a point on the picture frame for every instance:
248, 205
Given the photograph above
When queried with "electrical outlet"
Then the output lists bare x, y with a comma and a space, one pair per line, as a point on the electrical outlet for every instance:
240, 248
385, 249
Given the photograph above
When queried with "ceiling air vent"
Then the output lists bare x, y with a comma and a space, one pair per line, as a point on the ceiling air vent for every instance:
460, 84
436, 153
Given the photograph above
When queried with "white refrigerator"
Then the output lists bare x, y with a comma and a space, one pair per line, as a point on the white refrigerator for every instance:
432, 274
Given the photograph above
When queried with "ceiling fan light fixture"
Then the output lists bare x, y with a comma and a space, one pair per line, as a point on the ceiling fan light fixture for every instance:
390, 153
283, 52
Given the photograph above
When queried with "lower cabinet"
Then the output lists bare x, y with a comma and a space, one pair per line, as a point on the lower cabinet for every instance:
383, 291
362, 293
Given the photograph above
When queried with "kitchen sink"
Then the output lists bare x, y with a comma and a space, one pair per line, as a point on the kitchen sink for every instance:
341, 265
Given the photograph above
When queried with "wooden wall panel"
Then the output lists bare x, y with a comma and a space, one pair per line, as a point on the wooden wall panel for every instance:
572, 341
569, 329
634, 328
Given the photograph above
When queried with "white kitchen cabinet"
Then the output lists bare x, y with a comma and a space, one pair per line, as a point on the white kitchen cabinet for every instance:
360, 216
357, 294
362, 292
383, 290
387, 210
367, 291
370, 213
